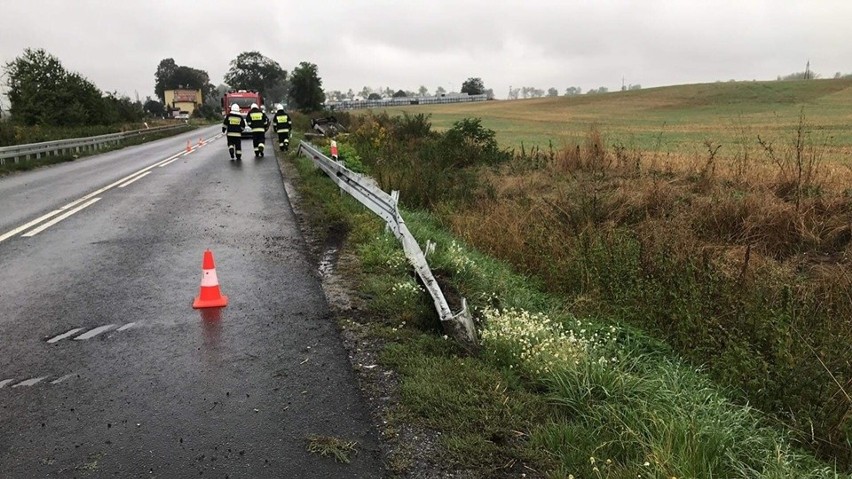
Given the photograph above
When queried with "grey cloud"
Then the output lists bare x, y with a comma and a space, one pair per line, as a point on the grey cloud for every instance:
407, 44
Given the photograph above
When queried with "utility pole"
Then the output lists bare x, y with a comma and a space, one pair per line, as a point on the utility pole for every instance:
808, 70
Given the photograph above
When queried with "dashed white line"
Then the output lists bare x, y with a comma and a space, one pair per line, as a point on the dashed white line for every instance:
64, 335
63, 378
30, 382
171, 161
4, 382
126, 326
94, 332
120, 183
28, 225
60, 218
143, 175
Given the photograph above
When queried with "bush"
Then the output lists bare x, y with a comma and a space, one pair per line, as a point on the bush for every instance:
428, 168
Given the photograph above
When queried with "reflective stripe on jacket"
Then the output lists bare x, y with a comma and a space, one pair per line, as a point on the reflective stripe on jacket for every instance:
234, 124
281, 123
258, 121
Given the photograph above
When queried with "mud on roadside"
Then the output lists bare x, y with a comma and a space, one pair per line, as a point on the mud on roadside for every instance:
408, 451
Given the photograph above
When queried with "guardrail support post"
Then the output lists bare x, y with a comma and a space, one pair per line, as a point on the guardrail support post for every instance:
460, 326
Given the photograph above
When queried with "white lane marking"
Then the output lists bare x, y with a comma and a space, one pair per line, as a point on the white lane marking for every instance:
30, 382
4, 382
36, 221
63, 378
143, 175
170, 161
126, 326
28, 225
60, 218
94, 332
64, 335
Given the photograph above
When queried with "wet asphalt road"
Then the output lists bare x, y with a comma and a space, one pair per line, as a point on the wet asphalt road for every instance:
167, 391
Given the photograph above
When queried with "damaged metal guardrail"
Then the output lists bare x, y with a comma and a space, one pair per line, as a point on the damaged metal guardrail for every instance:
72, 145
365, 190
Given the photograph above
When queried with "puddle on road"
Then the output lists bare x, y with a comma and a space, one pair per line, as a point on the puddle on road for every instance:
211, 331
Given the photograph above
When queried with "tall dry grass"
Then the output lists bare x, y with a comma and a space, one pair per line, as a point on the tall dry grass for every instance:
739, 256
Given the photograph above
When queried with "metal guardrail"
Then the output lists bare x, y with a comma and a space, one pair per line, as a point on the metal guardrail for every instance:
404, 101
75, 145
365, 190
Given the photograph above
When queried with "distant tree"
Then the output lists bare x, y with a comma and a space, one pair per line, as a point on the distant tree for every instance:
253, 71
154, 108
121, 109
514, 93
374, 96
634, 87
306, 88
365, 92
489, 93
387, 92
552, 92
350, 95
400, 94
423, 91
42, 92
440, 91
573, 91
473, 86
165, 71
215, 98
170, 76
805, 75
594, 91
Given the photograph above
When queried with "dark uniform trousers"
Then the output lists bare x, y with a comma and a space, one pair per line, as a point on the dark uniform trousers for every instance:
258, 123
233, 125
281, 123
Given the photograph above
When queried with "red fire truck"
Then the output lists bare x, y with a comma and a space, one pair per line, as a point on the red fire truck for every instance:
243, 98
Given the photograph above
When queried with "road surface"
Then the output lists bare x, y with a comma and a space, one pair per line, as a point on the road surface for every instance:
107, 371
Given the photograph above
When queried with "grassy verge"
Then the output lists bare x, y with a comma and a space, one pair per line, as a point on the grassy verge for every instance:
550, 394
10, 167
740, 261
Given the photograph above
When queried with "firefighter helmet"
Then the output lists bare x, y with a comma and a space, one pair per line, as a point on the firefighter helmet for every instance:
279, 107
253, 106
235, 108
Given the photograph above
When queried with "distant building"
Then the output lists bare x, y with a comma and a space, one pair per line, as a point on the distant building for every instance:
182, 102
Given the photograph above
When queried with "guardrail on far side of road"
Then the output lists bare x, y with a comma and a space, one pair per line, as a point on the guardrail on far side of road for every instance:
18, 153
364, 189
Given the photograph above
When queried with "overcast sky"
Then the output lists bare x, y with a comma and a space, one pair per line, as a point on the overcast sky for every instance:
404, 44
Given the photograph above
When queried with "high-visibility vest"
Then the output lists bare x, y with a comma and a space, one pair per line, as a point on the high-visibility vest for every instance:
282, 123
257, 123
234, 124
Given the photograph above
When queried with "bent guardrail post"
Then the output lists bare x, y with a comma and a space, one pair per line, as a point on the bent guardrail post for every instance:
365, 190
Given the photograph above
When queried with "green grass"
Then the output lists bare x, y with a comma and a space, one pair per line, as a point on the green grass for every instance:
626, 406
328, 446
679, 116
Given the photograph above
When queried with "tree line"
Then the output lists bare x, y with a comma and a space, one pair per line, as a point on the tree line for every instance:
41, 91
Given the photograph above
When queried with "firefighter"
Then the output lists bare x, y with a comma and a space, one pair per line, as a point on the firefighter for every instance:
259, 123
234, 125
281, 124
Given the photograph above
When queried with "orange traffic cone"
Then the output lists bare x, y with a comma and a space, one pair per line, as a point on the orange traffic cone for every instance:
333, 149
210, 295
200, 141
188, 147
